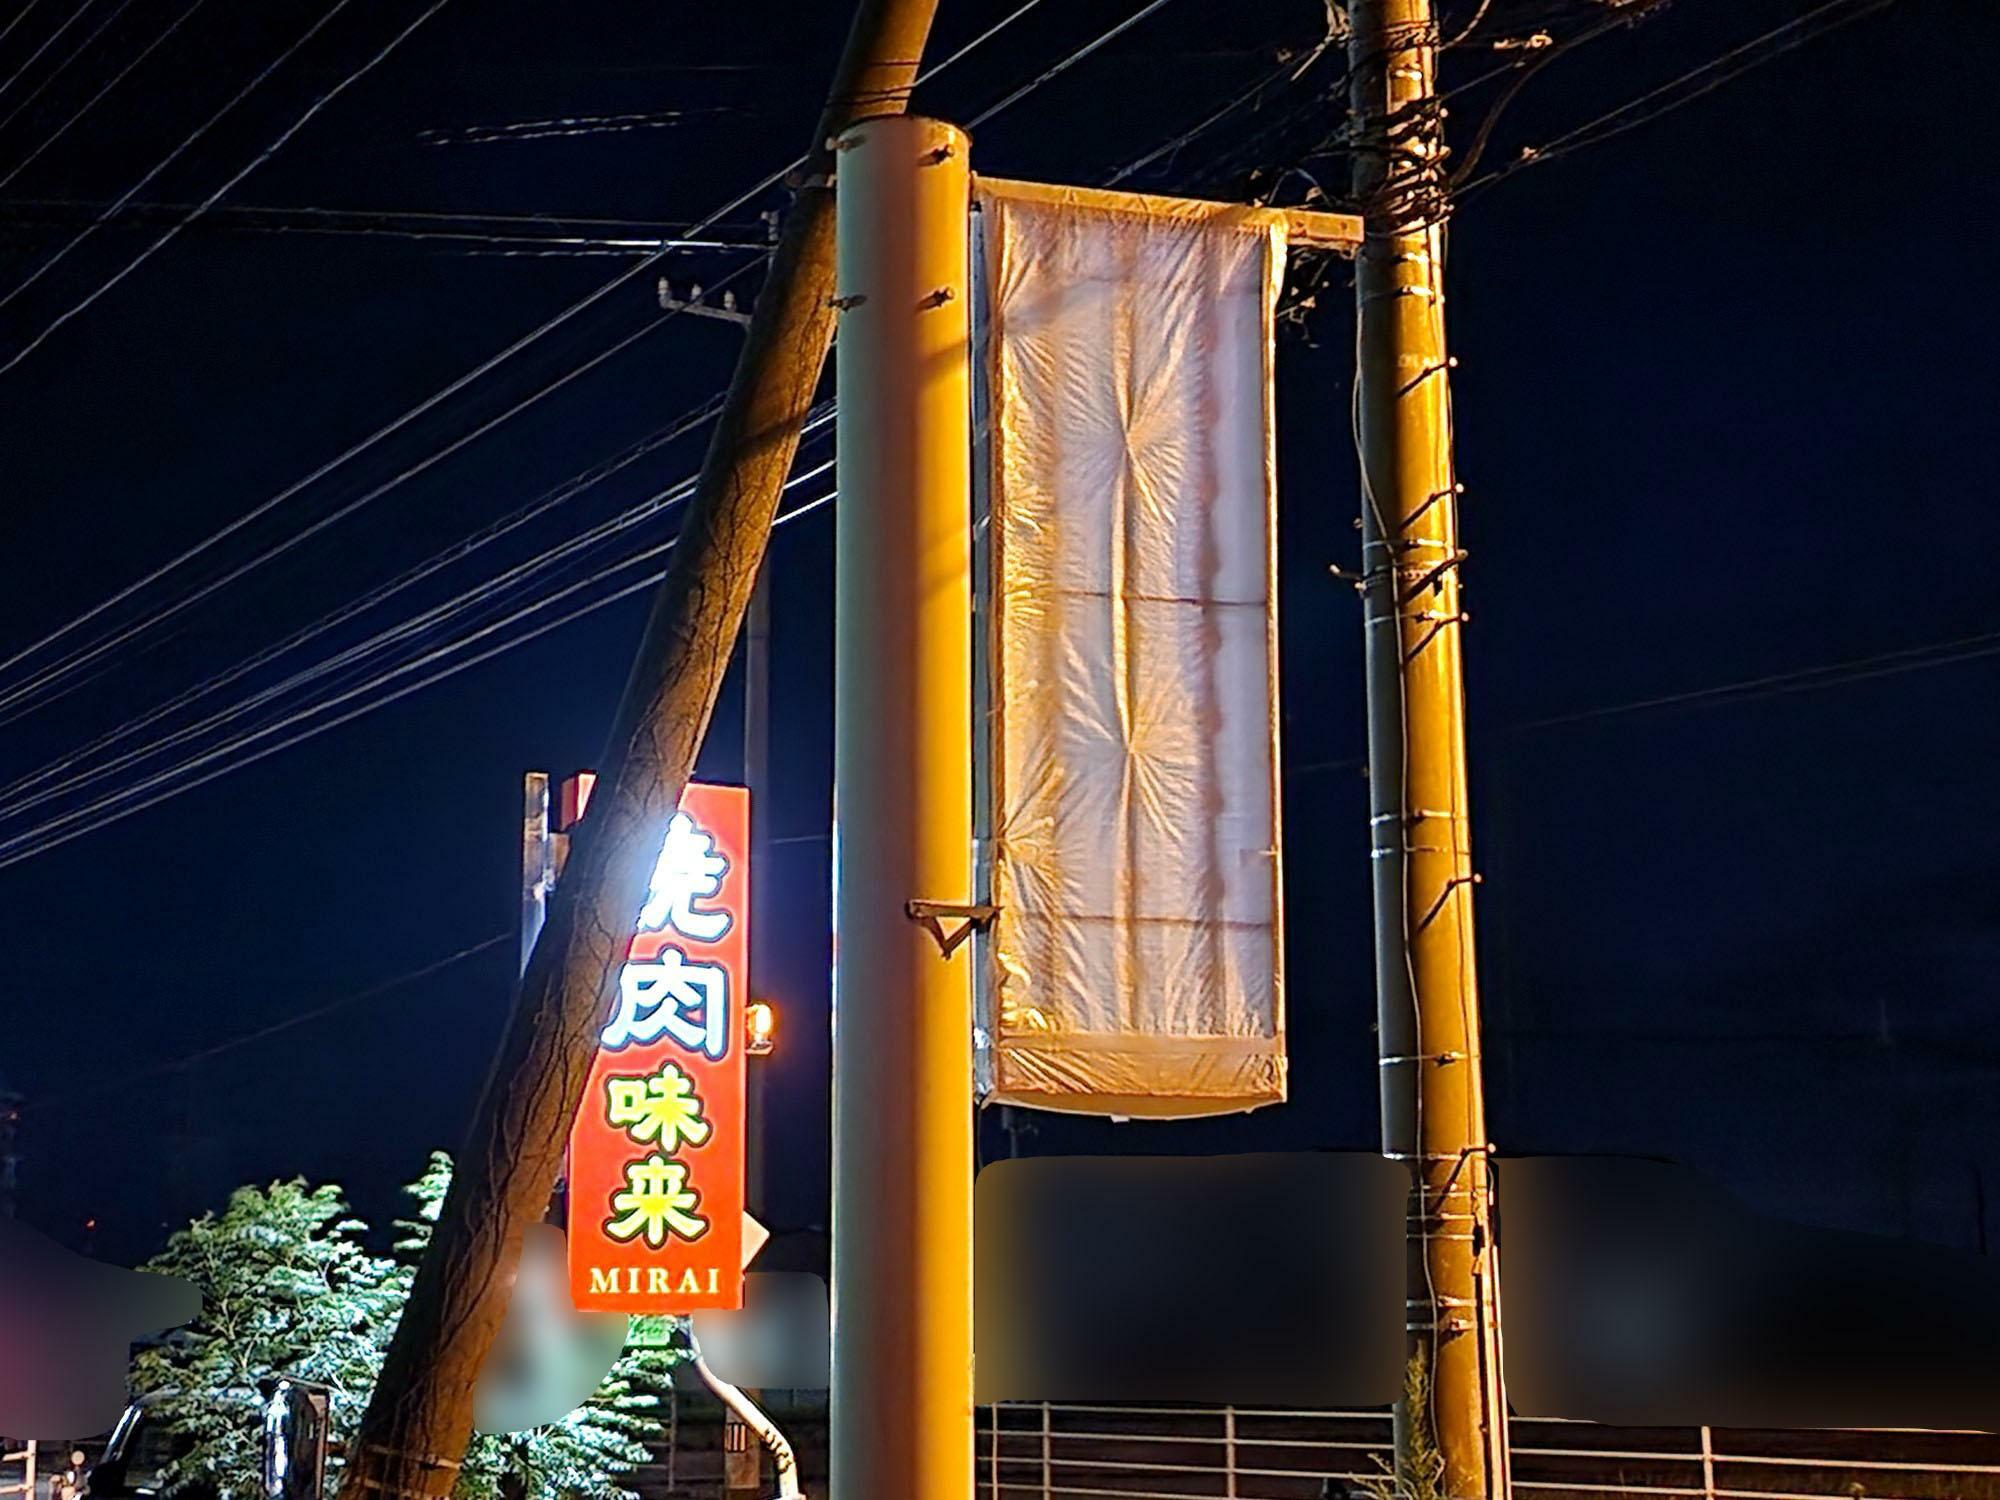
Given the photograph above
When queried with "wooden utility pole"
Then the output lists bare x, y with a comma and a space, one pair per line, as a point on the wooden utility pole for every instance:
1427, 997
413, 1435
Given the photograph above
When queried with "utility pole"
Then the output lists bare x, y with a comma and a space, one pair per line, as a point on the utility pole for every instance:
902, 1416
413, 1434
1427, 997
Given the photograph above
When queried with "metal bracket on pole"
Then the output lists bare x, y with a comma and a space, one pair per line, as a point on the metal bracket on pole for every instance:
928, 914
694, 306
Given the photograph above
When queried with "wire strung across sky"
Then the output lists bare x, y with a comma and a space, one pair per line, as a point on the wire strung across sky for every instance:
527, 340
150, 789
1689, 86
58, 831
379, 648
542, 505
555, 235
255, 162
19, 16
175, 154
22, 698
352, 676
91, 103
57, 71
47, 42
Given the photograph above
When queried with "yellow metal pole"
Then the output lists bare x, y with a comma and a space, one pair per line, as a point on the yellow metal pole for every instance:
1427, 997
902, 1422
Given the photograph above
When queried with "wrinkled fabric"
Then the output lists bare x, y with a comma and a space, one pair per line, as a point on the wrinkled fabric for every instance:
1131, 775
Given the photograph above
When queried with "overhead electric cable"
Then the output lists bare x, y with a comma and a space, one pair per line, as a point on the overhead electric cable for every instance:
549, 500
74, 1090
329, 222
19, 16
174, 155
1727, 67
255, 162
1803, 679
47, 42
39, 840
57, 71
1050, 74
85, 655
157, 212
91, 103
1019, 93
534, 335
416, 627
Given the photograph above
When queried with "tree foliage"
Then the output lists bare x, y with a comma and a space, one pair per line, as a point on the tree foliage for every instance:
586, 1453
289, 1287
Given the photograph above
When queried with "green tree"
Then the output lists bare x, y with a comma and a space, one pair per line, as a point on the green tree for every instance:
289, 1288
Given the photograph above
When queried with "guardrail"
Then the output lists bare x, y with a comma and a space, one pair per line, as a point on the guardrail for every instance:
1055, 1451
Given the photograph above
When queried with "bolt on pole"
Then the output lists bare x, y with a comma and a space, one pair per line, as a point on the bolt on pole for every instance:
1427, 998
902, 1414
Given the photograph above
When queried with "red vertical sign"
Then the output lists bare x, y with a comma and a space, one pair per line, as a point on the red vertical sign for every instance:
656, 1153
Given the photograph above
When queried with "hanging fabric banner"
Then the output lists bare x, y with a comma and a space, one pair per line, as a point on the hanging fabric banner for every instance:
1129, 789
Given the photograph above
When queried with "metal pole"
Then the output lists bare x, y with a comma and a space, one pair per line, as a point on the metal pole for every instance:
902, 1415
1048, 1455
751, 1415
1707, 1464
1427, 1000
757, 777
537, 867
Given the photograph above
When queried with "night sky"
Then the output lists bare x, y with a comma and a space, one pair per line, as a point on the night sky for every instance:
1724, 402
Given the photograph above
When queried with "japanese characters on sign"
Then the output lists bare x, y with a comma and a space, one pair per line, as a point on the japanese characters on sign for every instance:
656, 1153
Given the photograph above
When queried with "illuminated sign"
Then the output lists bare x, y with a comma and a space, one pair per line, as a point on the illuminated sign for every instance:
656, 1153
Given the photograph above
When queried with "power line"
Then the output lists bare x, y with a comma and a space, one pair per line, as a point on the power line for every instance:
47, 42
257, 161
19, 16
175, 154
1800, 680
429, 403
1944, 653
57, 71
320, 221
565, 125
92, 102
654, 228
1727, 67
548, 501
67, 818
1048, 75
37, 840
304, 1017
386, 640
84, 656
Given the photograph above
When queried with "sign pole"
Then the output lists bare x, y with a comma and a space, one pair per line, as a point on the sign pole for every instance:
902, 1414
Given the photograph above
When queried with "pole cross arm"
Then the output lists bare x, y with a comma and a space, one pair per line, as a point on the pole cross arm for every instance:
930, 915
1304, 228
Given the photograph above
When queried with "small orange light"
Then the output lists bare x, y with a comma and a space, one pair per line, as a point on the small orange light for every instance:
760, 1028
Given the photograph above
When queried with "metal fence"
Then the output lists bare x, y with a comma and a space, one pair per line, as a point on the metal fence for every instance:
1049, 1451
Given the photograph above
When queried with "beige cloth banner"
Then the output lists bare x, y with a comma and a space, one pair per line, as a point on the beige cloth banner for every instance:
1131, 822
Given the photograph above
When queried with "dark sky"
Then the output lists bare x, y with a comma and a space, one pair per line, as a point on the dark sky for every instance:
1724, 402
